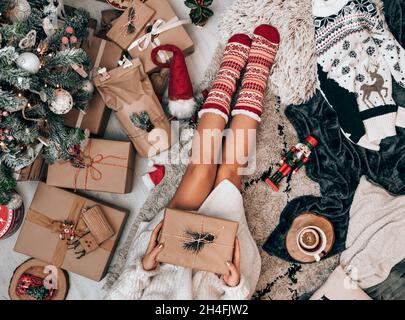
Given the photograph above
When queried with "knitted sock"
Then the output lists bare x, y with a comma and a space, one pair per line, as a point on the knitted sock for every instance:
234, 60
261, 57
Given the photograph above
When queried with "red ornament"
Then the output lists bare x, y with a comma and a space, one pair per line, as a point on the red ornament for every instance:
73, 40
65, 40
69, 30
10, 220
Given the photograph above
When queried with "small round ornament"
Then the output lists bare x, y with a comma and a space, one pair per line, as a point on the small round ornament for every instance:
62, 102
20, 11
88, 86
69, 30
37, 280
29, 62
64, 40
73, 40
11, 216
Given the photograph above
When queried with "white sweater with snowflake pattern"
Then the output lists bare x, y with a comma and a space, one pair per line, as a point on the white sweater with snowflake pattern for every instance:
356, 49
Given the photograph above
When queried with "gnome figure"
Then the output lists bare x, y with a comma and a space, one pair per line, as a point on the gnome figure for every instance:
182, 104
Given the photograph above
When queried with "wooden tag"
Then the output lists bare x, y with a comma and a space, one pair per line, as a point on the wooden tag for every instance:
97, 224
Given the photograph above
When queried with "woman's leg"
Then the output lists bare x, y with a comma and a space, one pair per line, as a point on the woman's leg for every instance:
200, 175
248, 109
237, 148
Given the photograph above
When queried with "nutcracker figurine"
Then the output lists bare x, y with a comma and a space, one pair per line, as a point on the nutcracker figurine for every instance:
292, 161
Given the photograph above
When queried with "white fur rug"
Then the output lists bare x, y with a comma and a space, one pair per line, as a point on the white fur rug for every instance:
293, 80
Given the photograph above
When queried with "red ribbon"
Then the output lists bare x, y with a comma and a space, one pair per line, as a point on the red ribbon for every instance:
90, 165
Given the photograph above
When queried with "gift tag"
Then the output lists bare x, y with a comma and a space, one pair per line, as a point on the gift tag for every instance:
104, 75
80, 70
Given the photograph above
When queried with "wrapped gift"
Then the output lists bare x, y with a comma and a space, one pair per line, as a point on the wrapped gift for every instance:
104, 165
129, 92
103, 53
130, 24
197, 241
53, 224
34, 172
163, 28
107, 18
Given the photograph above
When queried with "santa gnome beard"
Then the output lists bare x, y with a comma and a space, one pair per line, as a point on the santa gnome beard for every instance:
182, 104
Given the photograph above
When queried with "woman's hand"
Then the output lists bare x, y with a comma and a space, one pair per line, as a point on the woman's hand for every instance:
233, 278
149, 261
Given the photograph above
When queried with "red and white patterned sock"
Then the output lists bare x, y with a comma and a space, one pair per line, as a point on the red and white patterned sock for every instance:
234, 60
261, 57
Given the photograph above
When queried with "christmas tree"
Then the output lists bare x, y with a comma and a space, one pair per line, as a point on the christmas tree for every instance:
42, 75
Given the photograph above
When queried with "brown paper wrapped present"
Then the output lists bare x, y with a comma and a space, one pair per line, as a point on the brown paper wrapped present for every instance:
40, 235
103, 53
197, 241
163, 28
34, 172
128, 26
107, 18
105, 165
129, 92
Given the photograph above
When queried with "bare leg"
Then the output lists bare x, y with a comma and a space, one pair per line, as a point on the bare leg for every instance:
248, 108
200, 174
237, 148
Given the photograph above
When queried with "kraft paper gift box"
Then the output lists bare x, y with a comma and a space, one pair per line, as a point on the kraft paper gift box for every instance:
103, 53
128, 26
163, 28
34, 172
128, 91
197, 241
106, 165
39, 236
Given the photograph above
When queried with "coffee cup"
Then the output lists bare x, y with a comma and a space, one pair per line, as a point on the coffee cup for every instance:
312, 241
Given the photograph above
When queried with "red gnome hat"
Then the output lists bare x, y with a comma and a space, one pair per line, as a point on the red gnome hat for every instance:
181, 100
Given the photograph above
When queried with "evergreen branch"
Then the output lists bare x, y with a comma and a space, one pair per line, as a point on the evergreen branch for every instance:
78, 21
24, 132
7, 183
66, 58
16, 77
9, 101
70, 80
7, 56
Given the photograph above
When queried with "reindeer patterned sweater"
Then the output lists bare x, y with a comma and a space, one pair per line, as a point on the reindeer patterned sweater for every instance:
357, 58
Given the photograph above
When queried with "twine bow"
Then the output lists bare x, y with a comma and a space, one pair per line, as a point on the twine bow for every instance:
150, 38
90, 164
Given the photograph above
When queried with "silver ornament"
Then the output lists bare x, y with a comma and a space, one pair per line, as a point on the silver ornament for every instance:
20, 11
88, 86
29, 62
62, 102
